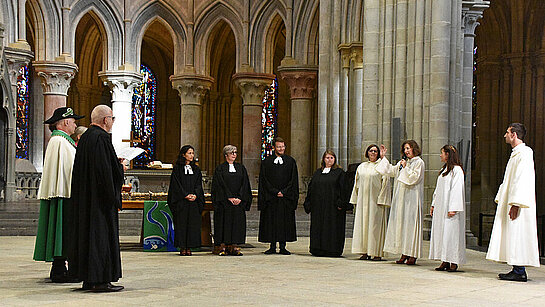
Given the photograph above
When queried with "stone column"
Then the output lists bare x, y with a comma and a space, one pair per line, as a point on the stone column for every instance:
15, 58
121, 84
302, 82
252, 87
470, 14
192, 89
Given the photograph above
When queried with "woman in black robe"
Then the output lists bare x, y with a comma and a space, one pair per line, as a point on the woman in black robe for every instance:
327, 203
186, 201
231, 197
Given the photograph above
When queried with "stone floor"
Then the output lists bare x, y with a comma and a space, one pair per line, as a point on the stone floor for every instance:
267, 280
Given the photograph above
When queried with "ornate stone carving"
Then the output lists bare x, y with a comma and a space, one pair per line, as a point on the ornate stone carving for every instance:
300, 79
352, 52
252, 87
55, 76
471, 12
121, 83
191, 88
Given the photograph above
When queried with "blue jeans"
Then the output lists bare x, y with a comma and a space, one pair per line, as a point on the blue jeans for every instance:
519, 270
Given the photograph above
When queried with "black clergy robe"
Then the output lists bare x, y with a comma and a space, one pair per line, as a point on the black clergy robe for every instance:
277, 217
97, 178
230, 220
186, 214
326, 194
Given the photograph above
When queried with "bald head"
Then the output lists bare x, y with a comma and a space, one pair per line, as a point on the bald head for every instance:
99, 112
102, 116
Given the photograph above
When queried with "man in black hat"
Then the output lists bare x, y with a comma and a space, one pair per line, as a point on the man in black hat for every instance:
54, 194
96, 197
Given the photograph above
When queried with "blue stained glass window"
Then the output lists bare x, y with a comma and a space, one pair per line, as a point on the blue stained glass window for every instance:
143, 116
23, 112
269, 117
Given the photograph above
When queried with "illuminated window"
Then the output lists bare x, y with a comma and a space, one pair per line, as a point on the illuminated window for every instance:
143, 116
269, 116
23, 111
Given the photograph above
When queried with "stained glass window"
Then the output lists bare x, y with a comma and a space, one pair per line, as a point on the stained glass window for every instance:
23, 112
143, 116
269, 116
474, 112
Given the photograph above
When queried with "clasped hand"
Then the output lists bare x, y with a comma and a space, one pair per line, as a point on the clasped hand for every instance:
235, 201
191, 197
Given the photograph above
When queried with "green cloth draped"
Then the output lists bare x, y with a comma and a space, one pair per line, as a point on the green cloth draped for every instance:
49, 236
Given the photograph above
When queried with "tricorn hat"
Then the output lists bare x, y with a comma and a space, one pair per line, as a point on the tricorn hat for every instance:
62, 113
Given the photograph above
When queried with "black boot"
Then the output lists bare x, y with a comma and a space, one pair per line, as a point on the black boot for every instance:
283, 250
271, 250
58, 269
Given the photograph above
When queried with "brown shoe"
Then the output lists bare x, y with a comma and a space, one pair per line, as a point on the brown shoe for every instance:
402, 259
443, 267
453, 268
411, 261
364, 257
376, 259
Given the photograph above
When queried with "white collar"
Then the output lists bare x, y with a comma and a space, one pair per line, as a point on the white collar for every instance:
232, 168
326, 170
188, 170
278, 160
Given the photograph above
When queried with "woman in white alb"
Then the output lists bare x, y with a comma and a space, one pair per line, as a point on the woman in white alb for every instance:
371, 194
404, 234
448, 240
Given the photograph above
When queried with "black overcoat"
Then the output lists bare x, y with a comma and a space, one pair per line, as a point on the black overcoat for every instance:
277, 217
186, 214
97, 178
230, 220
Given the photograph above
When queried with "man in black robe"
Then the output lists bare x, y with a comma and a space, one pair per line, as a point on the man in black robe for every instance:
96, 197
277, 200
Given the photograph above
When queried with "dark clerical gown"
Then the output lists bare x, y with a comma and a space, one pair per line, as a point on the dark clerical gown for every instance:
96, 196
230, 220
277, 218
326, 194
186, 214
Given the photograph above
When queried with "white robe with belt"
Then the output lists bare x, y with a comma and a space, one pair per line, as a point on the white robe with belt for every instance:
448, 240
371, 194
404, 234
515, 241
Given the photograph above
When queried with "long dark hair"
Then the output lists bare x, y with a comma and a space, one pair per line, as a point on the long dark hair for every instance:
453, 159
181, 158
414, 146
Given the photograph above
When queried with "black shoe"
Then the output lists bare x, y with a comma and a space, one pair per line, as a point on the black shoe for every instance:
512, 276
106, 287
284, 251
270, 251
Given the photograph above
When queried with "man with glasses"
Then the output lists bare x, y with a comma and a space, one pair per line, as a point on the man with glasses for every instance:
54, 194
96, 197
277, 200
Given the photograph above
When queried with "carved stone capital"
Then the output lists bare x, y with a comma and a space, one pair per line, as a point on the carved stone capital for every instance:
472, 11
55, 76
300, 79
352, 52
15, 59
191, 88
252, 87
121, 83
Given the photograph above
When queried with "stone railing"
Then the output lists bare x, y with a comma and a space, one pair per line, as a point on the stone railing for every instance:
27, 185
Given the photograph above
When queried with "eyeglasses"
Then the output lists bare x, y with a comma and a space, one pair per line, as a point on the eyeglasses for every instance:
233, 153
113, 117
373, 150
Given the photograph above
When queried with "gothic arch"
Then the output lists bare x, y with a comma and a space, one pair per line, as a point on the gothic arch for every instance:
306, 37
46, 23
93, 43
264, 25
203, 28
177, 28
107, 18
352, 28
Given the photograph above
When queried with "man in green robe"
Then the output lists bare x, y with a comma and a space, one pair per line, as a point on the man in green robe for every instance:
54, 194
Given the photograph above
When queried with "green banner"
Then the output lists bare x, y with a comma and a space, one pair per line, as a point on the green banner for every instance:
158, 227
